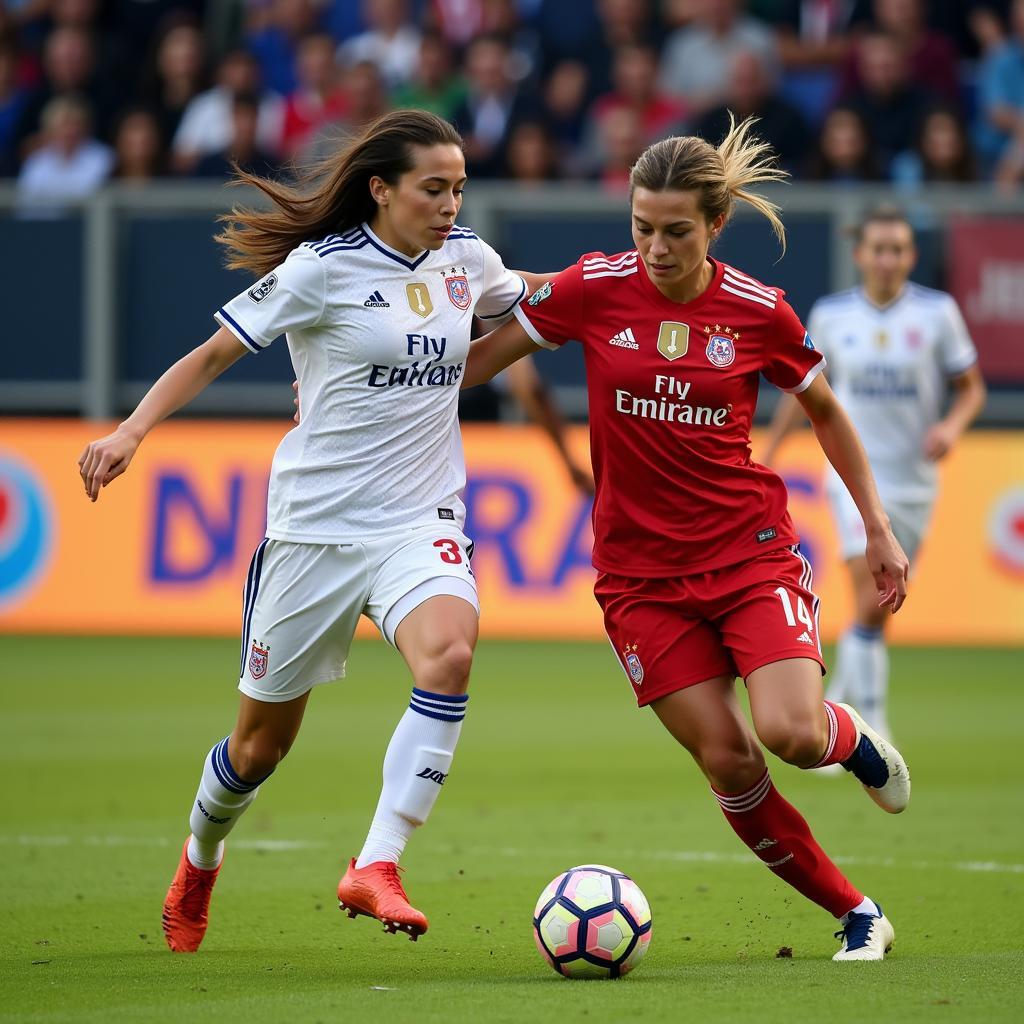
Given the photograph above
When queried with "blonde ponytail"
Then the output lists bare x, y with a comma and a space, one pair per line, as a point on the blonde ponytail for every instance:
721, 175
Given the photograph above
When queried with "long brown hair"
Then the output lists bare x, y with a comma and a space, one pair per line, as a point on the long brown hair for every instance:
333, 195
719, 174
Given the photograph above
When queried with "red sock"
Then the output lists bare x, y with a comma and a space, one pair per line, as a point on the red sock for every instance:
842, 735
777, 833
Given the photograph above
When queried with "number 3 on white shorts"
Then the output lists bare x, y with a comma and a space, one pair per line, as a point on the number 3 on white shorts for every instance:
801, 609
449, 551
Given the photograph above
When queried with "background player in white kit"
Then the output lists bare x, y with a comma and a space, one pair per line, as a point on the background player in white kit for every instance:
893, 348
363, 268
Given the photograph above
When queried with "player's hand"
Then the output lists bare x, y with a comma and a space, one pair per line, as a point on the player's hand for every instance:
582, 478
890, 567
106, 459
938, 441
295, 400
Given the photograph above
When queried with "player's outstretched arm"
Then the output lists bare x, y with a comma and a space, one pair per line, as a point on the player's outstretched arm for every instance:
493, 352
841, 445
106, 459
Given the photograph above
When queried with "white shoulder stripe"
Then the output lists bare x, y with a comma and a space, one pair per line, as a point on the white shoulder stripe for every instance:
596, 262
742, 278
751, 286
726, 287
626, 272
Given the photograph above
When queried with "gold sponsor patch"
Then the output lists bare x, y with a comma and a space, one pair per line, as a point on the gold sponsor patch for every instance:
419, 299
673, 339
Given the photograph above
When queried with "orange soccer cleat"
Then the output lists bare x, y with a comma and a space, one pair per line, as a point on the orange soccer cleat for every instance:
187, 905
376, 891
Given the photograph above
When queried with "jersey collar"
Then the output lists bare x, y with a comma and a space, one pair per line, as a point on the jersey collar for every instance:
705, 297
891, 304
394, 254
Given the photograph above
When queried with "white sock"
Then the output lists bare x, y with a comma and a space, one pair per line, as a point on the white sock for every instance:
219, 803
868, 672
865, 906
416, 765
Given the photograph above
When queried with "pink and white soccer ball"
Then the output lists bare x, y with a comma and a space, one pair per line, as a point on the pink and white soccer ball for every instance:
592, 922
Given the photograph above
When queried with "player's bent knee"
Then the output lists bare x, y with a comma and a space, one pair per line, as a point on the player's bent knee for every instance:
447, 671
794, 743
256, 756
731, 770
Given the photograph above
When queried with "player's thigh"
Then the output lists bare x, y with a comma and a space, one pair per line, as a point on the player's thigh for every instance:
661, 643
848, 523
707, 719
786, 706
302, 603
909, 522
865, 595
766, 610
423, 599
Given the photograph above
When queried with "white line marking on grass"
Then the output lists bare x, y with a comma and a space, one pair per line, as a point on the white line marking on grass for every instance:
515, 852
268, 845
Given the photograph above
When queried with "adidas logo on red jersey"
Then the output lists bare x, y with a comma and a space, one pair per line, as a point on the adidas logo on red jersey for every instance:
624, 339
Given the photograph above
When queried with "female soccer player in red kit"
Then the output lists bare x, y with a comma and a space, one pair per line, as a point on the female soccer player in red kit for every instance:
700, 576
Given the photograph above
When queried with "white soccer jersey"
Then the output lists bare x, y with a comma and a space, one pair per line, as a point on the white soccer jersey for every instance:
378, 341
889, 368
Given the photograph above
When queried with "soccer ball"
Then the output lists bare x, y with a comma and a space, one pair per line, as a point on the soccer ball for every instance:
592, 922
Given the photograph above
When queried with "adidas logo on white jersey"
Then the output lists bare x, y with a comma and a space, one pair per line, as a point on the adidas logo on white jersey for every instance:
376, 300
805, 638
624, 339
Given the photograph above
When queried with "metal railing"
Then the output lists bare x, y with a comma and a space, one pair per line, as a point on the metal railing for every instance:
100, 394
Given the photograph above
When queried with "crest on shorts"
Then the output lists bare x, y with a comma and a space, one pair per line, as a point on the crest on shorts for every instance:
458, 291
673, 339
258, 659
419, 299
633, 666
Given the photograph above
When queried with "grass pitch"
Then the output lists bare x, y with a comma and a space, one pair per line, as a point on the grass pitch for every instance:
101, 743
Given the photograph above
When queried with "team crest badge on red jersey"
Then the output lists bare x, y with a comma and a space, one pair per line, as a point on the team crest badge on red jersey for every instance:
633, 666
458, 291
259, 657
721, 350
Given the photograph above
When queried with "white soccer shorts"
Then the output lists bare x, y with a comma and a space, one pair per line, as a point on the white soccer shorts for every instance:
302, 601
909, 523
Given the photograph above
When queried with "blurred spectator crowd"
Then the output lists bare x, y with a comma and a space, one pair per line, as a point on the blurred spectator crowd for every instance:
903, 91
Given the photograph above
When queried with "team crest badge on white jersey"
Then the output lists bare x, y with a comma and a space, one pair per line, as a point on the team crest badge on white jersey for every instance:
673, 339
458, 291
260, 291
419, 299
259, 658
721, 351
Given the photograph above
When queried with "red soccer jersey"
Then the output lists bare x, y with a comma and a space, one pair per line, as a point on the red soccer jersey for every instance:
672, 390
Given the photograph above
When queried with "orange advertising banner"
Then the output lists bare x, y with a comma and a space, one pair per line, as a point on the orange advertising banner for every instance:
166, 548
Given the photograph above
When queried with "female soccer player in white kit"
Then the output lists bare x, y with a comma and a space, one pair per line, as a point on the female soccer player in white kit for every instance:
892, 348
375, 289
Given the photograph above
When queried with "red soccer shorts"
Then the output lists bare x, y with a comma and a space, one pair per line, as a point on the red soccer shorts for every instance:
672, 633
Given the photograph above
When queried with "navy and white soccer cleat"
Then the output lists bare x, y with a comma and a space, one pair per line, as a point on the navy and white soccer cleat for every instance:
865, 937
878, 766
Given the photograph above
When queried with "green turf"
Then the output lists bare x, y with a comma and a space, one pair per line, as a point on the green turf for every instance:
101, 742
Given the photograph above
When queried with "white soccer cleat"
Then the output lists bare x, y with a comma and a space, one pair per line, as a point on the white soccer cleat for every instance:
878, 766
829, 771
865, 937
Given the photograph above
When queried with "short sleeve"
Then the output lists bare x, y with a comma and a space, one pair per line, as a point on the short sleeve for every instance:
956, 350
290, 298
791, 360
502, 289
554, 312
